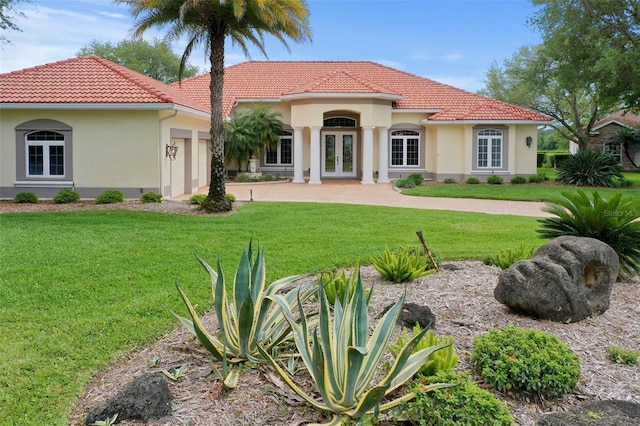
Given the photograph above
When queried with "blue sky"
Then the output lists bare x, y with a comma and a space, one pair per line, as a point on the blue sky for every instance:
451, 41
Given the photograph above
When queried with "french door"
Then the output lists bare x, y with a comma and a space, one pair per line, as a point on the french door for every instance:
339, 154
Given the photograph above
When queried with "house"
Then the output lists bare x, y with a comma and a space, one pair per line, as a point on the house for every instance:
89, 124
604, 131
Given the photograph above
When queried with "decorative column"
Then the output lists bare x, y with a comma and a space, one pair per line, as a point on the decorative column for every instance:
298, 156
367, 155
383, 155
314, 172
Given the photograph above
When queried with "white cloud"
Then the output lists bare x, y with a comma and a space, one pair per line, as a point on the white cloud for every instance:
449, 56
472, 84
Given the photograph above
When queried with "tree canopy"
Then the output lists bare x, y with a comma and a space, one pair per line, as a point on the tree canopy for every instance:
154, 59
7, 8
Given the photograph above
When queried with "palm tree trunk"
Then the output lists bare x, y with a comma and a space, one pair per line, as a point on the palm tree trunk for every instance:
216, 200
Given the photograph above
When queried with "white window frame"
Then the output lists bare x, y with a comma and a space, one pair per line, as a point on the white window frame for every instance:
615, 153
46, 146
405, 136
490, 143
285, 136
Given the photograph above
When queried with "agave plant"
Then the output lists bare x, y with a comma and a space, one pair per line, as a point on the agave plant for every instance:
247, 316
342, 360
614, 221
589, 168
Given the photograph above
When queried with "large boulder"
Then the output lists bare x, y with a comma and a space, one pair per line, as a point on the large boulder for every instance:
598, 413
146, 398
566, 280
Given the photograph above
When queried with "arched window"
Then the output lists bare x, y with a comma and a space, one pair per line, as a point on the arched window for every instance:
44, 153
405, 148
614, 149
339, 122
490, 148
283, 154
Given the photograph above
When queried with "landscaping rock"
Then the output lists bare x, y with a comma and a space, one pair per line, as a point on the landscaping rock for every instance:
566, 280
412, 314
146, 398
598, 413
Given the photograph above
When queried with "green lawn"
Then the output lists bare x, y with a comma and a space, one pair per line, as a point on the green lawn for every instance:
79, 289
526, 192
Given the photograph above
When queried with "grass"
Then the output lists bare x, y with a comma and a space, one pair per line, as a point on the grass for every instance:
80, 289
526, 192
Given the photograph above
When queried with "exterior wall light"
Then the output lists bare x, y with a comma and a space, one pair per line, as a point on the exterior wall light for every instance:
171, 151
529, 141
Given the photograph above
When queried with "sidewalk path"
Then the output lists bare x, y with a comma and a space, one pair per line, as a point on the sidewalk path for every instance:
353, 192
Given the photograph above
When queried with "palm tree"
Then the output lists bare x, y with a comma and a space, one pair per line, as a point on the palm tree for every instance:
629, 139
238, 141
208, 23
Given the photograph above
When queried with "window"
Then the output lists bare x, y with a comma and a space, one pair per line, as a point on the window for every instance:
45, 154
405, 148
283, 154
614, 149
339, 122
490, 149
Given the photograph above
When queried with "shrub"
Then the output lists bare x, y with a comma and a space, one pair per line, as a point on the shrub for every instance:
66, 196
416, 178
518, 180
463, 404
244, 178
536, 179
444, 359
473, 181
449, 180
26, 197
230, 197
197, 199
495, 180
541, 158
405, 265
508, 257
622, 183
589, 168
404, 183
342, 358
613, 221
151, 197
339, 286
623, 356
110, 196
558, 159
529, 360
636, 170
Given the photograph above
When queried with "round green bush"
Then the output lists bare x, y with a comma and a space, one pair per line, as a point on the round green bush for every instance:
463, 404
518, 180
230, 197
449, 180
529, 360
66, 196
110, 196
416, 178
495, 180
404, 183
197, 199
536, 179
26, 197
151, 197
473, 181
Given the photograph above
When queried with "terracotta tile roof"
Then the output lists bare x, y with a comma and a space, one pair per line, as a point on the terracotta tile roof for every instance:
268, 80
88, 80
626, 118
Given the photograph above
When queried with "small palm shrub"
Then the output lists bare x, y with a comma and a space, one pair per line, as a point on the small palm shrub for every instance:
589, 168
404, 183
518, 180
463, 404
246, 314
26, 197
536, 178
151, 197
197, 199
110, 196
495, 180
623, 356
342, 359
529, 360
508, 257
339, 285
405, 265
473, 180
444, 359
66, 196
416, 178
613, 221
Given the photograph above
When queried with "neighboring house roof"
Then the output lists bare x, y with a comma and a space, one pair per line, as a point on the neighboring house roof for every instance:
621, 118
276, 80
89, 80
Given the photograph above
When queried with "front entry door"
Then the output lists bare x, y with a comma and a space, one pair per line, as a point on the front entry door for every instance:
339, 154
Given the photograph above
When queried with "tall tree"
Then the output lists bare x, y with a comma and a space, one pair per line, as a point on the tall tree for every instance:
7, 8
155, 59
208, 23
596, 41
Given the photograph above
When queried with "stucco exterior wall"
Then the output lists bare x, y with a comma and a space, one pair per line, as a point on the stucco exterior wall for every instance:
451, 153
524, 158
